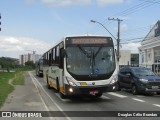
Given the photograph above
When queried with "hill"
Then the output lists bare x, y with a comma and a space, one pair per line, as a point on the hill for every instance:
7, 62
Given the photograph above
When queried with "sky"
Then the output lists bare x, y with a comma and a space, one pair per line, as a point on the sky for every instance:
37, 25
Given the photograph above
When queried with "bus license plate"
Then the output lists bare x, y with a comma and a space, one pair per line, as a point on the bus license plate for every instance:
93, 92
155, 87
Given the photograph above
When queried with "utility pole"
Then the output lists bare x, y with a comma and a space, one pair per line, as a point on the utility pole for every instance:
0, 22
118, 39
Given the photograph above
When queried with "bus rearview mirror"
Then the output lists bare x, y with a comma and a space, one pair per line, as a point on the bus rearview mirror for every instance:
63, 53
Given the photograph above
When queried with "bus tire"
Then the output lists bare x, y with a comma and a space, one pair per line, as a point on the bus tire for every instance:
49, 87
62, 95
98, 95
158, 93
57, 83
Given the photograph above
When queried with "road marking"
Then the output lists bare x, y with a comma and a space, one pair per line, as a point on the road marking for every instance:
157, 105
105, 97
117, 95
64, 100
138, 100
50, 97
140, 96
40, 94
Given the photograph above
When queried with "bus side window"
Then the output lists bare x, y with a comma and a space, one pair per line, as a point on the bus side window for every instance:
50, 59
57, 55
61, 61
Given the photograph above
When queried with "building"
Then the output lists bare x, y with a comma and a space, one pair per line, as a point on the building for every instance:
128, 59
28, 57
149, 52
125, 57
135, 59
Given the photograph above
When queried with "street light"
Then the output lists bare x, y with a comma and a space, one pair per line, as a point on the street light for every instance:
118, 55
104, 28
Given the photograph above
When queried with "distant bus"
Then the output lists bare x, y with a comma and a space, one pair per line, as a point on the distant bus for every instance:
39, 67
81, 65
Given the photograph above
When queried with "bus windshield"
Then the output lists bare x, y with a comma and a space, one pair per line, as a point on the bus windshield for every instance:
90, 60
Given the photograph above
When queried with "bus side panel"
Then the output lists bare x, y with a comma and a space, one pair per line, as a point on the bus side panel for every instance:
55, 78
45, 73
61, 80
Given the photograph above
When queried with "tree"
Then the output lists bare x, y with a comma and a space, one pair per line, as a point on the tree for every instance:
30, 64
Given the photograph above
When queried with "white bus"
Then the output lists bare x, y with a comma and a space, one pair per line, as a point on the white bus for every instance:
81, 65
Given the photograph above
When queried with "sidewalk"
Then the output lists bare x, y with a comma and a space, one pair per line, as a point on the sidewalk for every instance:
24, 98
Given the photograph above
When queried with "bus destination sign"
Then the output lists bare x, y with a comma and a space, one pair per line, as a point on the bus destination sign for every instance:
89, 40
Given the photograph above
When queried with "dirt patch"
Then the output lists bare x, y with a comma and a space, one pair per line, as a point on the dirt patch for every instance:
10, 81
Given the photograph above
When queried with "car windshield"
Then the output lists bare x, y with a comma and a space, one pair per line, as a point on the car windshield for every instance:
142, 71
83, 60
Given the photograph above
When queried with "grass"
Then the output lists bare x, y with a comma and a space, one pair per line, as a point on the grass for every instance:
19, 79
5, 87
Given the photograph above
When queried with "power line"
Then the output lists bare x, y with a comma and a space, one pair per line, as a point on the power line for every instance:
131, 42
131, 10
158, 2
118, 39
137, 30
141, 39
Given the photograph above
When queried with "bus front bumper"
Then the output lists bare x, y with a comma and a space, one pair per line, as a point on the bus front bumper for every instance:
82, 90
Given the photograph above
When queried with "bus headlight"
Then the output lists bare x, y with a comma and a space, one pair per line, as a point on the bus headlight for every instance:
114, 79
70, 82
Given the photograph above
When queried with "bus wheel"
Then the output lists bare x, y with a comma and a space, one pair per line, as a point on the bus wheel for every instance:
158, 93
49, 87
98, 95
39, 75
58, 88
62, 95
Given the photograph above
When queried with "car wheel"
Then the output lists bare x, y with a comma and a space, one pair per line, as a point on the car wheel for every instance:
158, 93
134, 90
118, 87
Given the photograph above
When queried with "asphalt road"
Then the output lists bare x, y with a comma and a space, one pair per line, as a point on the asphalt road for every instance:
49, 100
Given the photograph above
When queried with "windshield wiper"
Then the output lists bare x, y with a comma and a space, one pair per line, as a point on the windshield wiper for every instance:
83, 51
98, 51
92, 61
92, 56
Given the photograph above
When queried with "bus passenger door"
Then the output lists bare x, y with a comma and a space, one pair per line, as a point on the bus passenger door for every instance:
61, 66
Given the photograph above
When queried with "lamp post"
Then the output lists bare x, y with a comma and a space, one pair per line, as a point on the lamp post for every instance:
118, 55
104, 28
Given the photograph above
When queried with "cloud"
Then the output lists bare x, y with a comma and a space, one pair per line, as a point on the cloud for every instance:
14, 46
66, 2
131, 46
109, 2
124, 27
55, 3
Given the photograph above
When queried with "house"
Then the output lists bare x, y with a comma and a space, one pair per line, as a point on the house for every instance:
149, 52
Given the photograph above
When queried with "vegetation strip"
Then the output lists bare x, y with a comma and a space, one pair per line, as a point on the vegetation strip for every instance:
7, 82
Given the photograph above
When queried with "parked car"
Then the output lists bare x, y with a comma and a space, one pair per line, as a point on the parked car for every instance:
138, 79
